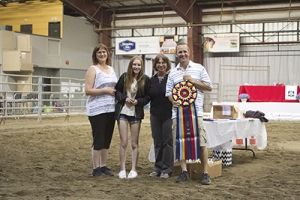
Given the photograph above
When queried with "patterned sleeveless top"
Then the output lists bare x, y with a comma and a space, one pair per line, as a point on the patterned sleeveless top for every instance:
100, 104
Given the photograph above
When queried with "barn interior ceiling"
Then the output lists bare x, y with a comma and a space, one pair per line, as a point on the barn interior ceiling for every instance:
140, 9
214, 12
139, 6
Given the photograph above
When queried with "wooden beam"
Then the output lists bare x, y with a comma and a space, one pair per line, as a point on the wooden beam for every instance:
192, 14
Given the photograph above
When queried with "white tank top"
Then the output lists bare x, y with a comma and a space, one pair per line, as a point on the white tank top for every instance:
105, 103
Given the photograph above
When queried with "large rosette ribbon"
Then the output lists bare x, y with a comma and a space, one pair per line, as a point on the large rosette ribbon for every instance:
187, 134
184, 93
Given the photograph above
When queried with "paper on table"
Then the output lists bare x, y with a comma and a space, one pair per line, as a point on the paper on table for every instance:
226, 110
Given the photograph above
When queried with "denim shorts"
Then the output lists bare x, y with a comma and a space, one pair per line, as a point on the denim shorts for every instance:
130, 119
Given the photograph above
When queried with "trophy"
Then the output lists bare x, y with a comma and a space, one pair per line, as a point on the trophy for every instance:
133, 92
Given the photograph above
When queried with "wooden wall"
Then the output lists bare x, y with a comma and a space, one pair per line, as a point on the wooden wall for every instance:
37, 13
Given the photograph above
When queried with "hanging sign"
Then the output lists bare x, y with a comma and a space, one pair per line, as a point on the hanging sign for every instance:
229, 42
137, 45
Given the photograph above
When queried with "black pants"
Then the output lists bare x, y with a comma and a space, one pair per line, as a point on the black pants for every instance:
102, 130
163, 144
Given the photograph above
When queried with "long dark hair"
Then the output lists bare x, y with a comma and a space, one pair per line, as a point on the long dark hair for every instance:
96, 49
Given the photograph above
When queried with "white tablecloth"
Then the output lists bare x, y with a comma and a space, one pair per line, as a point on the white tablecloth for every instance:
273, 110
222, 131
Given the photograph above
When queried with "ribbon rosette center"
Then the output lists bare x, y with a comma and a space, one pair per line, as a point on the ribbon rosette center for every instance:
184, 93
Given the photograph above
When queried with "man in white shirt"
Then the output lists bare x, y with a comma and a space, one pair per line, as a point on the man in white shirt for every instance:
195, 73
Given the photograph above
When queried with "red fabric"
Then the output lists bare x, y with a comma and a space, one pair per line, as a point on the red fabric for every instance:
266, 93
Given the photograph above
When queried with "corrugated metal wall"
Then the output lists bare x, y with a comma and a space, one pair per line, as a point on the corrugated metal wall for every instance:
281, 60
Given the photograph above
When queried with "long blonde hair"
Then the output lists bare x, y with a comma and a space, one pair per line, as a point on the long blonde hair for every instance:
130, 75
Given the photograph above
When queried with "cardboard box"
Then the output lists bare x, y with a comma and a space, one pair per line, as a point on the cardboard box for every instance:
195, 169
224, 112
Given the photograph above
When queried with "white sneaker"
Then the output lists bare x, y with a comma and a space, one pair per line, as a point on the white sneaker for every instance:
152, 174
163, 175
132, 174
122, 174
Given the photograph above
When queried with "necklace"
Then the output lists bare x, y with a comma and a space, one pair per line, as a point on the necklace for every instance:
160, 78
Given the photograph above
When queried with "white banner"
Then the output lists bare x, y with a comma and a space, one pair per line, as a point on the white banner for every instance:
290, 92
137, 45
221, 42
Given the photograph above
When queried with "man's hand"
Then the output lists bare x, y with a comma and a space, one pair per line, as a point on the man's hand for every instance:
188, 77
175, 104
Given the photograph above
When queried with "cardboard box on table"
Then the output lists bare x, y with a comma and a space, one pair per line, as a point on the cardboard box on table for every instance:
195, 169
229, 111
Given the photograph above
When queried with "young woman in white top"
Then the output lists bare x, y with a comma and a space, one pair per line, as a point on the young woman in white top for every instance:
100, 80
131, 90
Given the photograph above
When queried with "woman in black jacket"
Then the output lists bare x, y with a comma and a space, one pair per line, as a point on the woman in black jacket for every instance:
160, 118
130, 95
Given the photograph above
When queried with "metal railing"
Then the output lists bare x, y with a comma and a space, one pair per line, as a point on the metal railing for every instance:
31, 96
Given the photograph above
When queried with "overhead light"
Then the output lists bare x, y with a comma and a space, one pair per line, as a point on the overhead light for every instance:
162, 38
169, 43
176, 38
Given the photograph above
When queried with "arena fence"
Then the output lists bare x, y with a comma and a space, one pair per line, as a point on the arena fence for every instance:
40, 96
24, 96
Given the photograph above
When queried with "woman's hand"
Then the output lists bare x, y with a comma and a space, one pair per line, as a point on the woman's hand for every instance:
135, 102
111, 91
131, 101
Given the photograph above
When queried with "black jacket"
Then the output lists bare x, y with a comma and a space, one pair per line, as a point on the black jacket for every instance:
160, 105
256, 114
121, 96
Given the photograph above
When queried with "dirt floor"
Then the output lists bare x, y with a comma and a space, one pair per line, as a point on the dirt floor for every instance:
52, 160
